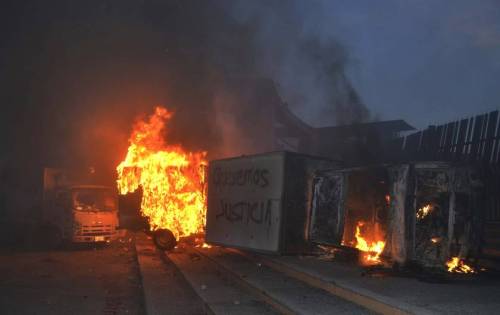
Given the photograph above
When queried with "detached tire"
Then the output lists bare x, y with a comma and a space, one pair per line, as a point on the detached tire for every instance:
164, 239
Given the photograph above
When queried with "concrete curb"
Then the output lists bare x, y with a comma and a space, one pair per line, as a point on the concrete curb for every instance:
165, 290
374, 303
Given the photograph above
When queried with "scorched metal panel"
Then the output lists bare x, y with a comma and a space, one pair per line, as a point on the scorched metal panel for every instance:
245, 201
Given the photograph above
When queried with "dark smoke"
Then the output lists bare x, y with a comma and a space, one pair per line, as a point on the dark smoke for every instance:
77, 73
292, 47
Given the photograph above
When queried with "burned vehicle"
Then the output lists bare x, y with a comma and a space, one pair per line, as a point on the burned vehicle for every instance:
424, 214
350, 208
427, 213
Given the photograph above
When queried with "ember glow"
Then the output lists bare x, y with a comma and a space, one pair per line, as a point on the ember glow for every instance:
424, 211
457, 265
372, 248
204, 245
435, 240
172, 179
388, 199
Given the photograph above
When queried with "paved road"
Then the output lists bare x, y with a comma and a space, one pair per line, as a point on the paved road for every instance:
84, 280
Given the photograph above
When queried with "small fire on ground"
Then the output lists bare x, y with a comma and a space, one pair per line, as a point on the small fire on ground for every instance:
372, 248
172, 179
457, 265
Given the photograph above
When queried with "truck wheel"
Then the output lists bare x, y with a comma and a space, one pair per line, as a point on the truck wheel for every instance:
164, 239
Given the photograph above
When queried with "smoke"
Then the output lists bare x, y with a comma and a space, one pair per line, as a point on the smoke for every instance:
294, 48
77, 74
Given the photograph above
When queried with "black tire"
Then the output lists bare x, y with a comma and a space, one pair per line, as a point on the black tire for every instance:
164, 239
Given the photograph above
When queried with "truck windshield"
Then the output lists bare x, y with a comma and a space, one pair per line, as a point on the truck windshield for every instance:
93, 200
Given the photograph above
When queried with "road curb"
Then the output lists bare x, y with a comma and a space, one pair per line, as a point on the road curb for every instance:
165, 291
361, 298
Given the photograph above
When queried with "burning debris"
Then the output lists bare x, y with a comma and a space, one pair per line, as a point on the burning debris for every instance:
421, 214
424, 212
435, 240
352, 206
371, 248
457, 265
172, 179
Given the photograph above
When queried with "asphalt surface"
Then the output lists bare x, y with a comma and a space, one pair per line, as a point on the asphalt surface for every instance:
75, 280
131, 276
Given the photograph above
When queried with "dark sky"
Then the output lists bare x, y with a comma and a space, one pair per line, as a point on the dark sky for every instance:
424, 61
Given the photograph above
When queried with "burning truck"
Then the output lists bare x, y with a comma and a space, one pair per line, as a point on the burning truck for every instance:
172, 181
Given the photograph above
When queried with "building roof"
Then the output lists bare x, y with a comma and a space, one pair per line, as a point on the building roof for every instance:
293, 124
382, 126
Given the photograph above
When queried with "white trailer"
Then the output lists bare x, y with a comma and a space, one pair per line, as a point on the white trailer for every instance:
262, 202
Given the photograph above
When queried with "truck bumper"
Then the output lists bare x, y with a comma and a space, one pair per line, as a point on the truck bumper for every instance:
94, 238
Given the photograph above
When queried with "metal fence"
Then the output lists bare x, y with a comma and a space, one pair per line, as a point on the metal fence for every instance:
475, 139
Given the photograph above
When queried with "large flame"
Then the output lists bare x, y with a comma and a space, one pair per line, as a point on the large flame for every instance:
372, 249
172, 180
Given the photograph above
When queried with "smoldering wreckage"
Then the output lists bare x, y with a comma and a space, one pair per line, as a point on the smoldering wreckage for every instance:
227, 173
392, 216
420, 217
413, 213
422, 206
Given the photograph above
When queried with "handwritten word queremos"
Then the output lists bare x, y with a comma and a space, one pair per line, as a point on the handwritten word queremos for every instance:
252, 176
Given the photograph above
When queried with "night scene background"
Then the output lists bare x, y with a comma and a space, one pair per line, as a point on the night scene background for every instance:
115, 112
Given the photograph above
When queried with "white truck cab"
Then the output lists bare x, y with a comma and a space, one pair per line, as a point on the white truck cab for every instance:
94, 213
78, 213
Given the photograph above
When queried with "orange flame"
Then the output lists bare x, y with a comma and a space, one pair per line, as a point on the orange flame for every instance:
372, 250
388, 199
424, 211
172, 180
457, 265
204, 245
435, 240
